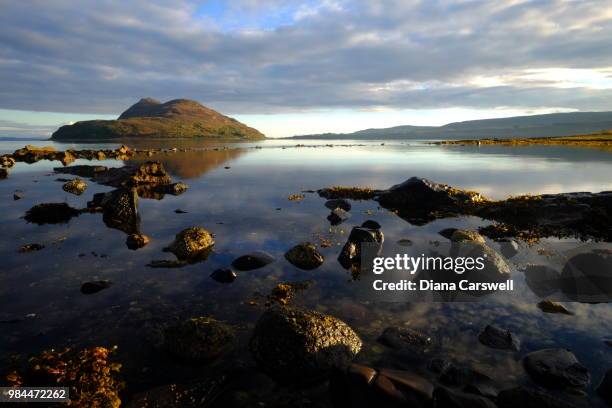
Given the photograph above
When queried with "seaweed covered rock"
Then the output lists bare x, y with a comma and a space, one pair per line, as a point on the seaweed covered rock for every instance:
191, 244
51, 213
359, 238
119, 209
295, 345
556, 368
305, 256
198, 339
76, 186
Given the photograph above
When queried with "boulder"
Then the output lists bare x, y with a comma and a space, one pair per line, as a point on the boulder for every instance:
359, 238
305, 256
463, 236
556, 368
469, 379
119, 208
7, 161
295, 345
150, 173
253, 260
508, 247
371, 224
497, 338
338, 203
191, 244
337, 216
51, 213
76, 186
198, 339
408, 341
3, 173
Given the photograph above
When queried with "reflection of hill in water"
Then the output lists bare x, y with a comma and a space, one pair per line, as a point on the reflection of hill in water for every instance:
193, 163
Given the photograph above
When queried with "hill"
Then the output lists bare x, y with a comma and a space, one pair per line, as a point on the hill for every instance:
149, 118
554, 124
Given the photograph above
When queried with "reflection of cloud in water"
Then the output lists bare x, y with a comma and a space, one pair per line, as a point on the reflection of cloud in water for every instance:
193, 163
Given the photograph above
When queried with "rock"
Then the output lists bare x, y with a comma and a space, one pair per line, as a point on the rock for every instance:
119, 208
166, 263
604, 390
462, 236
403, 387
3, 173
295, 345
179, 211
191, 244
148, 173
32, 154
174, 189
305, 256
50, 213
469, 380
82, 170
338, 203
587, 277
404, 242
178, 395
447, 232
529, 398
542, 280
76, 186
7, 161
497, 338
65, 157
358, 238
508, 247
446, 398
408, 341
224, 275
18, 195
556, 368
548, 306
254, 260
371, 224
198, 339
136, 241
338, 216
89, 288
31, 248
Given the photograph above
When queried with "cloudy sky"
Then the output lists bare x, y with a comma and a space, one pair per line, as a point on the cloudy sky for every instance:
293, 67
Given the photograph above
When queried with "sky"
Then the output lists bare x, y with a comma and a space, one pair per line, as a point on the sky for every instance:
292, 67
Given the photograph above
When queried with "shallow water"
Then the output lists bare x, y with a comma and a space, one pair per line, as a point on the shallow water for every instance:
247, 209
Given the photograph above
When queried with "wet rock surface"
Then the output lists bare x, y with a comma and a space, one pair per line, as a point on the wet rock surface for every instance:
408, 341
253, 260
338, 216
76, 186
18, 195
351, 253
338, 203
556, 368
136, 241
295, 345
50, 213
191, 244
119, 208
89, 288
548, 306
305, 256
371, 224
497, 338
198, 339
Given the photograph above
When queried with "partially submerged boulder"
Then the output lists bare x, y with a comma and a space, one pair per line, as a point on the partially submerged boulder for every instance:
76, 186
198, 339
338, 216
338, 203
360, 238
556, 368
191, 244
295, 345
305, 256
409, 342
3, 173
119, 208
136, 241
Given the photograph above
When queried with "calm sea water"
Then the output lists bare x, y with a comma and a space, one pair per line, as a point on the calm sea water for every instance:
247, 209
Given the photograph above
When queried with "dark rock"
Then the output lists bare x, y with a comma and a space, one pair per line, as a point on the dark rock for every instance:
542, 280
497, 338
604, 390
31, 248
18, 195
82, 170
89, 288
119, 208
179, 211
587, 277
338, 216
439, 365
136, 241
445, 398
198, 339
548, 306
3, 173
352, 250
224, 275
295, 345
192, 244
447, 232
76, 186
470, 380
50, 213
529, 398
508, 247
404, 242
305, 256
408, 341
556, 368
178, 395
6, 160
167, 263
403, 387
254, 260
133, 175
371, 224
338, 203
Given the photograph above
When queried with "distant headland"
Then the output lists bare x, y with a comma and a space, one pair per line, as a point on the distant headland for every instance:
149, 118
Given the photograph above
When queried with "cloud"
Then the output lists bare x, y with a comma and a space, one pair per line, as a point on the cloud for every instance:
101, 56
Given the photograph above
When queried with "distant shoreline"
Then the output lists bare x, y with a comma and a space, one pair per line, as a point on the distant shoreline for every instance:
602, 139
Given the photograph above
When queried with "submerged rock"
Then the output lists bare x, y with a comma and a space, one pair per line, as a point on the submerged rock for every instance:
338, 203
469, 379
351, 253
89, 288
224, 275
305, 256
136, 241
548, 306
76, 186
407, 341
497, 338
198, 339
556, 368
447, 232
338, 216
296, 345
191, 244
542, 280
253, 260
51, 213
462, 236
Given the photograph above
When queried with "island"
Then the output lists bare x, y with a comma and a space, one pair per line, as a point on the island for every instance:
149, 118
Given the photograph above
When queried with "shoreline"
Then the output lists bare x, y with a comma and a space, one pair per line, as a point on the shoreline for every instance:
602, 140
